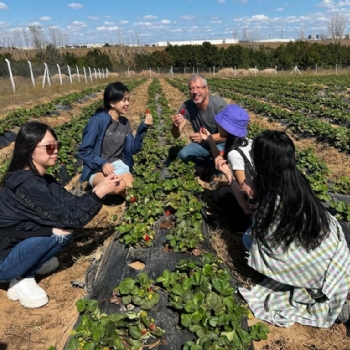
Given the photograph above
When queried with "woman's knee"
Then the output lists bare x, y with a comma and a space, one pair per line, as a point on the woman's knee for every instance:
61, 232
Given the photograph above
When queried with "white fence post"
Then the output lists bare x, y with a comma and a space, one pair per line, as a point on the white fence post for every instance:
70, 75
99, 73
85, 74
31, 73
90, 74
78, 73
150, 71
46, 75
59, 73
107, 72
103, 73
11, 76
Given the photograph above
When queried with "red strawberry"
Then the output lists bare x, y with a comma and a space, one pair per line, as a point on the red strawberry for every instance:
144, 331
167, 213
182, 111
147, 111
132, 199
152, 327
146, 238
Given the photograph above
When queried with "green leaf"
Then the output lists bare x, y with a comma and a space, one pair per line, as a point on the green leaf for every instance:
177, 289
126, 299
73, 344
126, 285
97, 333
208, 270
135, 332
186, 320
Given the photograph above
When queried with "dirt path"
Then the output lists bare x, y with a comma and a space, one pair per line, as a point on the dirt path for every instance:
26, 329
231, 251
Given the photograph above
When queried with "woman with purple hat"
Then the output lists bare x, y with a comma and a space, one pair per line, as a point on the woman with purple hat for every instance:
235, 161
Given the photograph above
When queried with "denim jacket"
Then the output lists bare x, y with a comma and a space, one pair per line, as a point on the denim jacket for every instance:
91, 146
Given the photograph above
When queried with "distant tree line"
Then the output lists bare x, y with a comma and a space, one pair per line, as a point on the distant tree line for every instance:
301, 53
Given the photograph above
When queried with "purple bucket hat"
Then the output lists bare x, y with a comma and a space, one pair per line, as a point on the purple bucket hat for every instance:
234, 119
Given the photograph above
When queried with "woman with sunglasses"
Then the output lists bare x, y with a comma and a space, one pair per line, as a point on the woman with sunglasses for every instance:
294, 242
37, 215
108, 143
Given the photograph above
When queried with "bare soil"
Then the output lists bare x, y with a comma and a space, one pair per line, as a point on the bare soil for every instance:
24, 329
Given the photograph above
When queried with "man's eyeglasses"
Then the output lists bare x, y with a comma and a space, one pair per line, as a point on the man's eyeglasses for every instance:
50, 148
197, 88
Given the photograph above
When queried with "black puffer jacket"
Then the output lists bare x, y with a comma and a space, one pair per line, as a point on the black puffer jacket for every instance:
30, 203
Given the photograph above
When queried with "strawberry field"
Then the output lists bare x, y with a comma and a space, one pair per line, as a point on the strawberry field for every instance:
182, 293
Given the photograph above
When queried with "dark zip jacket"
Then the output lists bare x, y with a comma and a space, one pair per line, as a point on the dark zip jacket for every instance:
32, 205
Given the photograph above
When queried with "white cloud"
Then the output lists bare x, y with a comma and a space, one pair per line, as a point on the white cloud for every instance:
215, 22
187, 18
108, 23
147, 24
76, 25
108, 29
75, 6
93, 18
45, 18
124, 22
259, 18
34, 24
326, 3
165, 21
280, 9
344, 3
3, 6
107, 16
3, 24
221, 1
150, 17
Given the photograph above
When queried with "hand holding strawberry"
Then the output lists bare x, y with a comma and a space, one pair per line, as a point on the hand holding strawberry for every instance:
149, 118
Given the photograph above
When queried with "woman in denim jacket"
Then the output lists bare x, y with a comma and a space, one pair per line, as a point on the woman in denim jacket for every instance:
108, 143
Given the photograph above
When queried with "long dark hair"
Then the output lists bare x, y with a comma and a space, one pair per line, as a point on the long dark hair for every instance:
284, 191
28, 137
233, 142
114, 92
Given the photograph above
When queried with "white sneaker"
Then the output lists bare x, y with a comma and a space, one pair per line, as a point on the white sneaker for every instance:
49, 266
28, 293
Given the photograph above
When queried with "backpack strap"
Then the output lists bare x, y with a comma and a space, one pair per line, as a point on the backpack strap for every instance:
247, 165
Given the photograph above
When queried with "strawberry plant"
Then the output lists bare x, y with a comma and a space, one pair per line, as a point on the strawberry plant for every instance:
95, 330
140, 292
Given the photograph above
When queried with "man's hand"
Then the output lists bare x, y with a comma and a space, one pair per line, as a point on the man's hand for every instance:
107, 169
196, 137
178, 119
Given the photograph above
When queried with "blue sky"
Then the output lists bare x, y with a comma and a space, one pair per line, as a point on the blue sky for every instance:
151, 21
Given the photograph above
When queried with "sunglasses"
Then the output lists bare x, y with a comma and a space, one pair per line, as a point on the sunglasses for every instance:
50, 148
